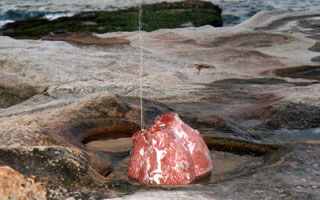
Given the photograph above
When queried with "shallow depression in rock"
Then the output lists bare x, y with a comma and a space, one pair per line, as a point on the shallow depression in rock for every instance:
103, 129
108, 141
231, 158
111, 145
8, 99
116, 149
15, 92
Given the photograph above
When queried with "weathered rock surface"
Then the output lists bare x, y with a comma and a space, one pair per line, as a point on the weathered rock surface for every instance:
56, 97
14, 185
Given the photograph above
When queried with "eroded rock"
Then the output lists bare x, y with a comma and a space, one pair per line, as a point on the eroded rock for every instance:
236, 101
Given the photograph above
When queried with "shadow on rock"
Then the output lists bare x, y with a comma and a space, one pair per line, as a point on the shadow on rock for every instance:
305, 72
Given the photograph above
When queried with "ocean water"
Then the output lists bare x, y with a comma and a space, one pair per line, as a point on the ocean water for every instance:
234, 11
237, 11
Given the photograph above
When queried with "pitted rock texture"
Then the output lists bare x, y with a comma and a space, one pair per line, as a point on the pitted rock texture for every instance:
171, 152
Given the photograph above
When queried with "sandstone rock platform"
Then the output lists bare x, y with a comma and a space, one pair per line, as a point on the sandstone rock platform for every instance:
251, 90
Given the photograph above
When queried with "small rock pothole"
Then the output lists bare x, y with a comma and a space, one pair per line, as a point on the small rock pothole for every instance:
14, 90
110, 139
231, 158
13, 96
112, 145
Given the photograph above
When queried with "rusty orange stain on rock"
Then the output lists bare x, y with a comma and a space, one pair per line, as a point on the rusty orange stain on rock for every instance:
4, 189
202, 66
132, 115
14, 185
114, 113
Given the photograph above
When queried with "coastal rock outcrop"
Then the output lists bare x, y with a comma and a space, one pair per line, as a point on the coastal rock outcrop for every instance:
57, 97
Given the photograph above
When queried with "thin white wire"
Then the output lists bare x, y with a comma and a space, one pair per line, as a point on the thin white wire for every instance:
141, 64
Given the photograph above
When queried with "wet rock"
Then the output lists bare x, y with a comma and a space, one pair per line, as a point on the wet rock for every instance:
292, 116
306, 72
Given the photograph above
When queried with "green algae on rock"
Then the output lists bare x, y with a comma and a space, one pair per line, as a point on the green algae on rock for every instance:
155, 16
